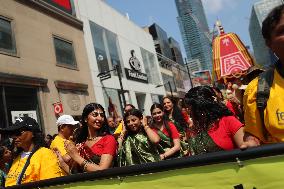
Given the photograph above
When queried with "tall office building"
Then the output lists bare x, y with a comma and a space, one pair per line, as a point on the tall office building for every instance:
259, 11
195, 32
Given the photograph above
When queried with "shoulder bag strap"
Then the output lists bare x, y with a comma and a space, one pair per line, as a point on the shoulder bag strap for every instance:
19, 180
265, 81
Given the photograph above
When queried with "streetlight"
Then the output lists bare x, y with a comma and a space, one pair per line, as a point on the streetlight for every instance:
104, 75
170, 86
186, 65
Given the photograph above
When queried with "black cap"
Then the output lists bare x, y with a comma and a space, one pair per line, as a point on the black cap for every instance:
26, 122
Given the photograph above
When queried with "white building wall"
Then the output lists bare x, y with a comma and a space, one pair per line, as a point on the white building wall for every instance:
130, 37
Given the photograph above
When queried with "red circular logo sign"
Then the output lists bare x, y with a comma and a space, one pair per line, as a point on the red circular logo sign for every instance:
58, 108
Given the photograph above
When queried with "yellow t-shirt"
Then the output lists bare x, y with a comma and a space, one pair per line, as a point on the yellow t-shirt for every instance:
273, 114
43, 165
58, 143
118, 129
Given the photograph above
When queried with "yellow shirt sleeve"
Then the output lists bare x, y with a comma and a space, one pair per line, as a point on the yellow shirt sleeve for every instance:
58, 143
253, 123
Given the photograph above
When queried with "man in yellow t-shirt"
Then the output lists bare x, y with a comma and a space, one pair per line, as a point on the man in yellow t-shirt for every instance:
66, 125
28, 140
273, 129
43, 165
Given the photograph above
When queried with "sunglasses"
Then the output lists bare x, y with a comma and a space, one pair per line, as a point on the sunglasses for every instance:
96, 114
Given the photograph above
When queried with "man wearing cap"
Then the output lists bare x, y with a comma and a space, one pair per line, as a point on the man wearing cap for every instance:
33, 162
66, 125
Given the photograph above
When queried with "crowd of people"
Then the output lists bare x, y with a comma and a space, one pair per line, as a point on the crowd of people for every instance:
205, 120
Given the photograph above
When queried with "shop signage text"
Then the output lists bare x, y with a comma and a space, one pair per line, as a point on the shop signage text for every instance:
136, 76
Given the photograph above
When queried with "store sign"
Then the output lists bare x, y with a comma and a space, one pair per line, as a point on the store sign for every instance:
58, 108
136, 76
134, 62
64, 5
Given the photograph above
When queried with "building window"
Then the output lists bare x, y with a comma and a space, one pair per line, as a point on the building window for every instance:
151, 67
106, 48
112, 44
114, 96
7, 40
169, 83
64, 52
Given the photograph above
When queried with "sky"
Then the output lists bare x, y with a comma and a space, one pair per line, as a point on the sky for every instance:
233, 14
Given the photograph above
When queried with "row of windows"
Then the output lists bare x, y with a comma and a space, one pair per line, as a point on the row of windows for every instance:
64, 50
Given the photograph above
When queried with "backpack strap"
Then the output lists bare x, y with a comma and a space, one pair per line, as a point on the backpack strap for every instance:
265, 81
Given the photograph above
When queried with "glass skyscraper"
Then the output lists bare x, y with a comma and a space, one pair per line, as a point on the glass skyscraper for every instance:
259, 11
195, 32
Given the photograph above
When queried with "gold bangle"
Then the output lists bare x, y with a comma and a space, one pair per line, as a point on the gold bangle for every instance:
85, 166
84, 163
146, 127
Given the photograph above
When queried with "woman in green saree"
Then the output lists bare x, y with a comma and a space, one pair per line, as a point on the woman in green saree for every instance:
169, 145
137, 142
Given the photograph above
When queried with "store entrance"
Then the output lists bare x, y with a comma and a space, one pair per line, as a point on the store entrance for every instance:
17, 101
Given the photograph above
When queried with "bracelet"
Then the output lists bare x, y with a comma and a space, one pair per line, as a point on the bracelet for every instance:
146, 127
84, 163
85, 166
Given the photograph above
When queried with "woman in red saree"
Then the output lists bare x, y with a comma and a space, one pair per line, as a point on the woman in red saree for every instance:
214, 126
95, 148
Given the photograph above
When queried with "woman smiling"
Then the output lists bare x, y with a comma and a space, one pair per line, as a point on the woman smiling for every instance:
140, 144
169, 145
96, 149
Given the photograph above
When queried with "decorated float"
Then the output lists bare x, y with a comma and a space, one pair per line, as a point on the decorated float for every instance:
231, 59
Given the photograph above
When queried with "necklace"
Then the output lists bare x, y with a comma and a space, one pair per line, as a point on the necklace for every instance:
93, 138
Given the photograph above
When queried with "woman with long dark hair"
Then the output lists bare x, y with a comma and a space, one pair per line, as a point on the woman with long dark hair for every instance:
96, 148
174, 114
33, 161
169, 145
138, 142
214, 126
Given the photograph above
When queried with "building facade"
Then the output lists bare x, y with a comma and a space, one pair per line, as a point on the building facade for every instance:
193, 65
113, 40
176, 51
44, 65
170, 61
260, 10
161, 41
195, 32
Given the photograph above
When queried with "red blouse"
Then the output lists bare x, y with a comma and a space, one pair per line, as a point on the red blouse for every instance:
106, 145
173, 129
224, 130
